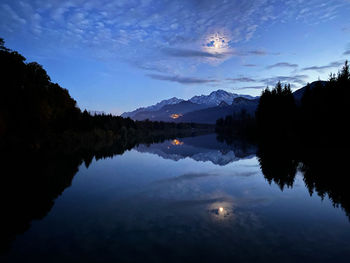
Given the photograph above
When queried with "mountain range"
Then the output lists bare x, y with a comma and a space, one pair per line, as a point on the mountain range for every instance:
201, 109
204, 148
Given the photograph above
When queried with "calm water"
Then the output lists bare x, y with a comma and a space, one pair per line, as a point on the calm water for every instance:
192, 199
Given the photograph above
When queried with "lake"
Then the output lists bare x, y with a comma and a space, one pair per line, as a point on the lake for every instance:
192, 199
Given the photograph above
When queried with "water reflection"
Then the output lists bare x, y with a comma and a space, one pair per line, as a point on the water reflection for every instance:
202, 148
323, 170
222, 211
31, 180
203, 200
176, 142
29, 185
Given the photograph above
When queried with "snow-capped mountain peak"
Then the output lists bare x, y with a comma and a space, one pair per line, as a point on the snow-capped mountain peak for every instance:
216, 97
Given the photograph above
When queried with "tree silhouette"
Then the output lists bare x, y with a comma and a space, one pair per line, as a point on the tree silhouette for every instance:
32, 108
324, 112
276, 111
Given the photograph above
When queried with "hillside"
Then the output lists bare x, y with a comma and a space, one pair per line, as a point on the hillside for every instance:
205, 108
200, 109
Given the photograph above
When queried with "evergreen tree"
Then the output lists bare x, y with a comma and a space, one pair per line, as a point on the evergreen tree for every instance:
276, 111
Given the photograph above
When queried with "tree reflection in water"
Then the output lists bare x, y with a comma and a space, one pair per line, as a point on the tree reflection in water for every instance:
323, 170
33, 179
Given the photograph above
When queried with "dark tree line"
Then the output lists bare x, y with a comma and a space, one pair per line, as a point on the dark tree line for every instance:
275, 114
240, 124
30, 104
323, 170
322, 115
33, 108
324, 112
309, 136
321, 118
31, 180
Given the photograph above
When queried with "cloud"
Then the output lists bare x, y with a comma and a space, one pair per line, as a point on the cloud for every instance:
296, 79
13, 14
159, 66
282, 65
346, 29
250, 87
174, 52
182, 80
242, 79
347, 51
167, 22
257, 52
187, 176
335, 64
220, 54
249, 65
145, 30
305, 11
151, 24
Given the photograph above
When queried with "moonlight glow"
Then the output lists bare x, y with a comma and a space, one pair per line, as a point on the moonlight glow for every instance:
139, 52
218, 44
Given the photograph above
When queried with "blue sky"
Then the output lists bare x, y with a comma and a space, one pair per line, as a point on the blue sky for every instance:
118, 55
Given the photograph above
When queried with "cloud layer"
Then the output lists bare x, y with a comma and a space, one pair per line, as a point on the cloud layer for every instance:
282, 65
166, 37
124, 24
182, 80
331, 65
294, 80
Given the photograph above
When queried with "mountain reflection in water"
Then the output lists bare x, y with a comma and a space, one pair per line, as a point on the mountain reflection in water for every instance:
202, 201
201, 148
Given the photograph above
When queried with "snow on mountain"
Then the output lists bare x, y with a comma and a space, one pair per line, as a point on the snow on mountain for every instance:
202, 148
160, 105
155, 107
216, 97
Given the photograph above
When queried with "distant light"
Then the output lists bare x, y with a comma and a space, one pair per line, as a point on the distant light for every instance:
176, 142
221, 209
176, 115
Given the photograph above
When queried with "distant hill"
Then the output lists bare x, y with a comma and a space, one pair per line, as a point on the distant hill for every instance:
216, 97
200, 148
176, 110
155, 107
204, 108
211, 114
298, 94
169, 112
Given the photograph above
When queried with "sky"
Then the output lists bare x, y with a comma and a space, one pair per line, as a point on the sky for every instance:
118, 55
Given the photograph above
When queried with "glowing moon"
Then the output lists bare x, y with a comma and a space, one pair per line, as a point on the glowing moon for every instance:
217, 43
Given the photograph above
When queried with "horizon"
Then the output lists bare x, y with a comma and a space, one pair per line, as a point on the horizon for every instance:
187, 99
121, 55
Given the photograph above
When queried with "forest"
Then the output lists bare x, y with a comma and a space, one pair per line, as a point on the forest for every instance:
45, 137
320, 118
309, 136
36, 112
